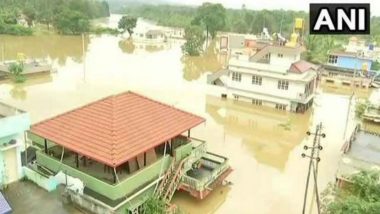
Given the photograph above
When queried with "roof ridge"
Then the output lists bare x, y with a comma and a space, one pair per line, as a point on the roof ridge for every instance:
164, 104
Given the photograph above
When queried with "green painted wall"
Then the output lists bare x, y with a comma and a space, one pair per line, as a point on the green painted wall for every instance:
48, 184
125, 187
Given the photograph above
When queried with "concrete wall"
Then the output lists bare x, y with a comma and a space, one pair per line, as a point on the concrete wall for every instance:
47, 183
286, 60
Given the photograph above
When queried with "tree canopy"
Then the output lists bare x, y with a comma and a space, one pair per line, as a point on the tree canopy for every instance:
194, 40
362, 196
60, 13
212, 16
127, 23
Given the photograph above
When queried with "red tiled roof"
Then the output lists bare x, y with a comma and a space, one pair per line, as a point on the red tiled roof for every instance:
116, 128
302, 66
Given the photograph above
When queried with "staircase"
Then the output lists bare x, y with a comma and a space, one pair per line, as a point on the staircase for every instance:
170, 181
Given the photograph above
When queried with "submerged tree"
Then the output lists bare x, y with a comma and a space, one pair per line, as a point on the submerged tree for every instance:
359, 197
127, 23
16, 69
194, 40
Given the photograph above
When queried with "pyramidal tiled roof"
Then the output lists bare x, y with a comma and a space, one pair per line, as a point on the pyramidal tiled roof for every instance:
116, 128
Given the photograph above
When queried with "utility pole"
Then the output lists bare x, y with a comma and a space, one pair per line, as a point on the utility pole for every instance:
313, 165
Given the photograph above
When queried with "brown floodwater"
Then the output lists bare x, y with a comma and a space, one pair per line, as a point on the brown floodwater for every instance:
264, 145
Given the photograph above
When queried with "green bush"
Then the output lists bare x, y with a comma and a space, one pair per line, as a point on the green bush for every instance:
17, 30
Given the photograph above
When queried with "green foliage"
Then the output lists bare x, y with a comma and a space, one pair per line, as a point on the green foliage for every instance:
212, 16
68, 16
127, 23
15, 30
194, 40
360, 197
375, 66
154, 206
71, 22
16, 70
318, 47
361, 107
104, 30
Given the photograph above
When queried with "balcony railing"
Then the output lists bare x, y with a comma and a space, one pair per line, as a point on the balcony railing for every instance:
204, 182
123, 188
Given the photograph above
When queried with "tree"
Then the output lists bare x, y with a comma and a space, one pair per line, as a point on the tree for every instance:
127, 23
362, 196
30, 14
72, 22
194, 40
212, 16
16, 69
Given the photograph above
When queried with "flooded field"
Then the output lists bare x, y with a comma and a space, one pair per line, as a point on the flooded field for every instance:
264, 145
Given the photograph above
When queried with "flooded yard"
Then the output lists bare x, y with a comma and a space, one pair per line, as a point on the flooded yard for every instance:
264, 145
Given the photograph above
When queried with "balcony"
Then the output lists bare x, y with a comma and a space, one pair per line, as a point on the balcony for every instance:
204, 173
127, 186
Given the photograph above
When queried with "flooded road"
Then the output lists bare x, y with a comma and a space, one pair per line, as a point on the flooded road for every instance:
264, 145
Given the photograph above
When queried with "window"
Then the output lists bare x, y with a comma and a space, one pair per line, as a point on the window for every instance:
257, 102
267, 56
283, 84
333, 59
280, 55
257, 80
281, 107
236, 97
236, 76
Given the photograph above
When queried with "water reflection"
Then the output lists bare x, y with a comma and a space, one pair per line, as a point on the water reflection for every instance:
19, 92
127, 46
195, 66
55, 47
270, 135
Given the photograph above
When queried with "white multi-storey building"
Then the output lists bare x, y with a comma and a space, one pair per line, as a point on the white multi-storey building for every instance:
273, 76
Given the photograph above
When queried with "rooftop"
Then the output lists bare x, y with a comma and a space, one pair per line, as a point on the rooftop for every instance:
364, 154
116, 128
302, 66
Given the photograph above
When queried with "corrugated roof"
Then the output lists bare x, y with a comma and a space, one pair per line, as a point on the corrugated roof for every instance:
116, 128
301, 66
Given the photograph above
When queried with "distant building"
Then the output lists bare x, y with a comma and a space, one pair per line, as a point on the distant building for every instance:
150, 35
360, 153
356, 59
272, 74
13, 124
124, 149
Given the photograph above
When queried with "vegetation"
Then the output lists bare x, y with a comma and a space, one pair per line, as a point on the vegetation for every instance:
154, 206
361, 107
127, 23
16, 69
362, 196
104, 30
236, 20
66, 16
212, 17
194, 40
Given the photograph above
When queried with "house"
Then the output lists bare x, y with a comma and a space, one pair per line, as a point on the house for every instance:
355, 60
124, 149
13, 124
150, 35
360, 153
272, 75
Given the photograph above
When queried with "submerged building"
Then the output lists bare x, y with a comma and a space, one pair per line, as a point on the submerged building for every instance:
13, 124
271, 74
115, 153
